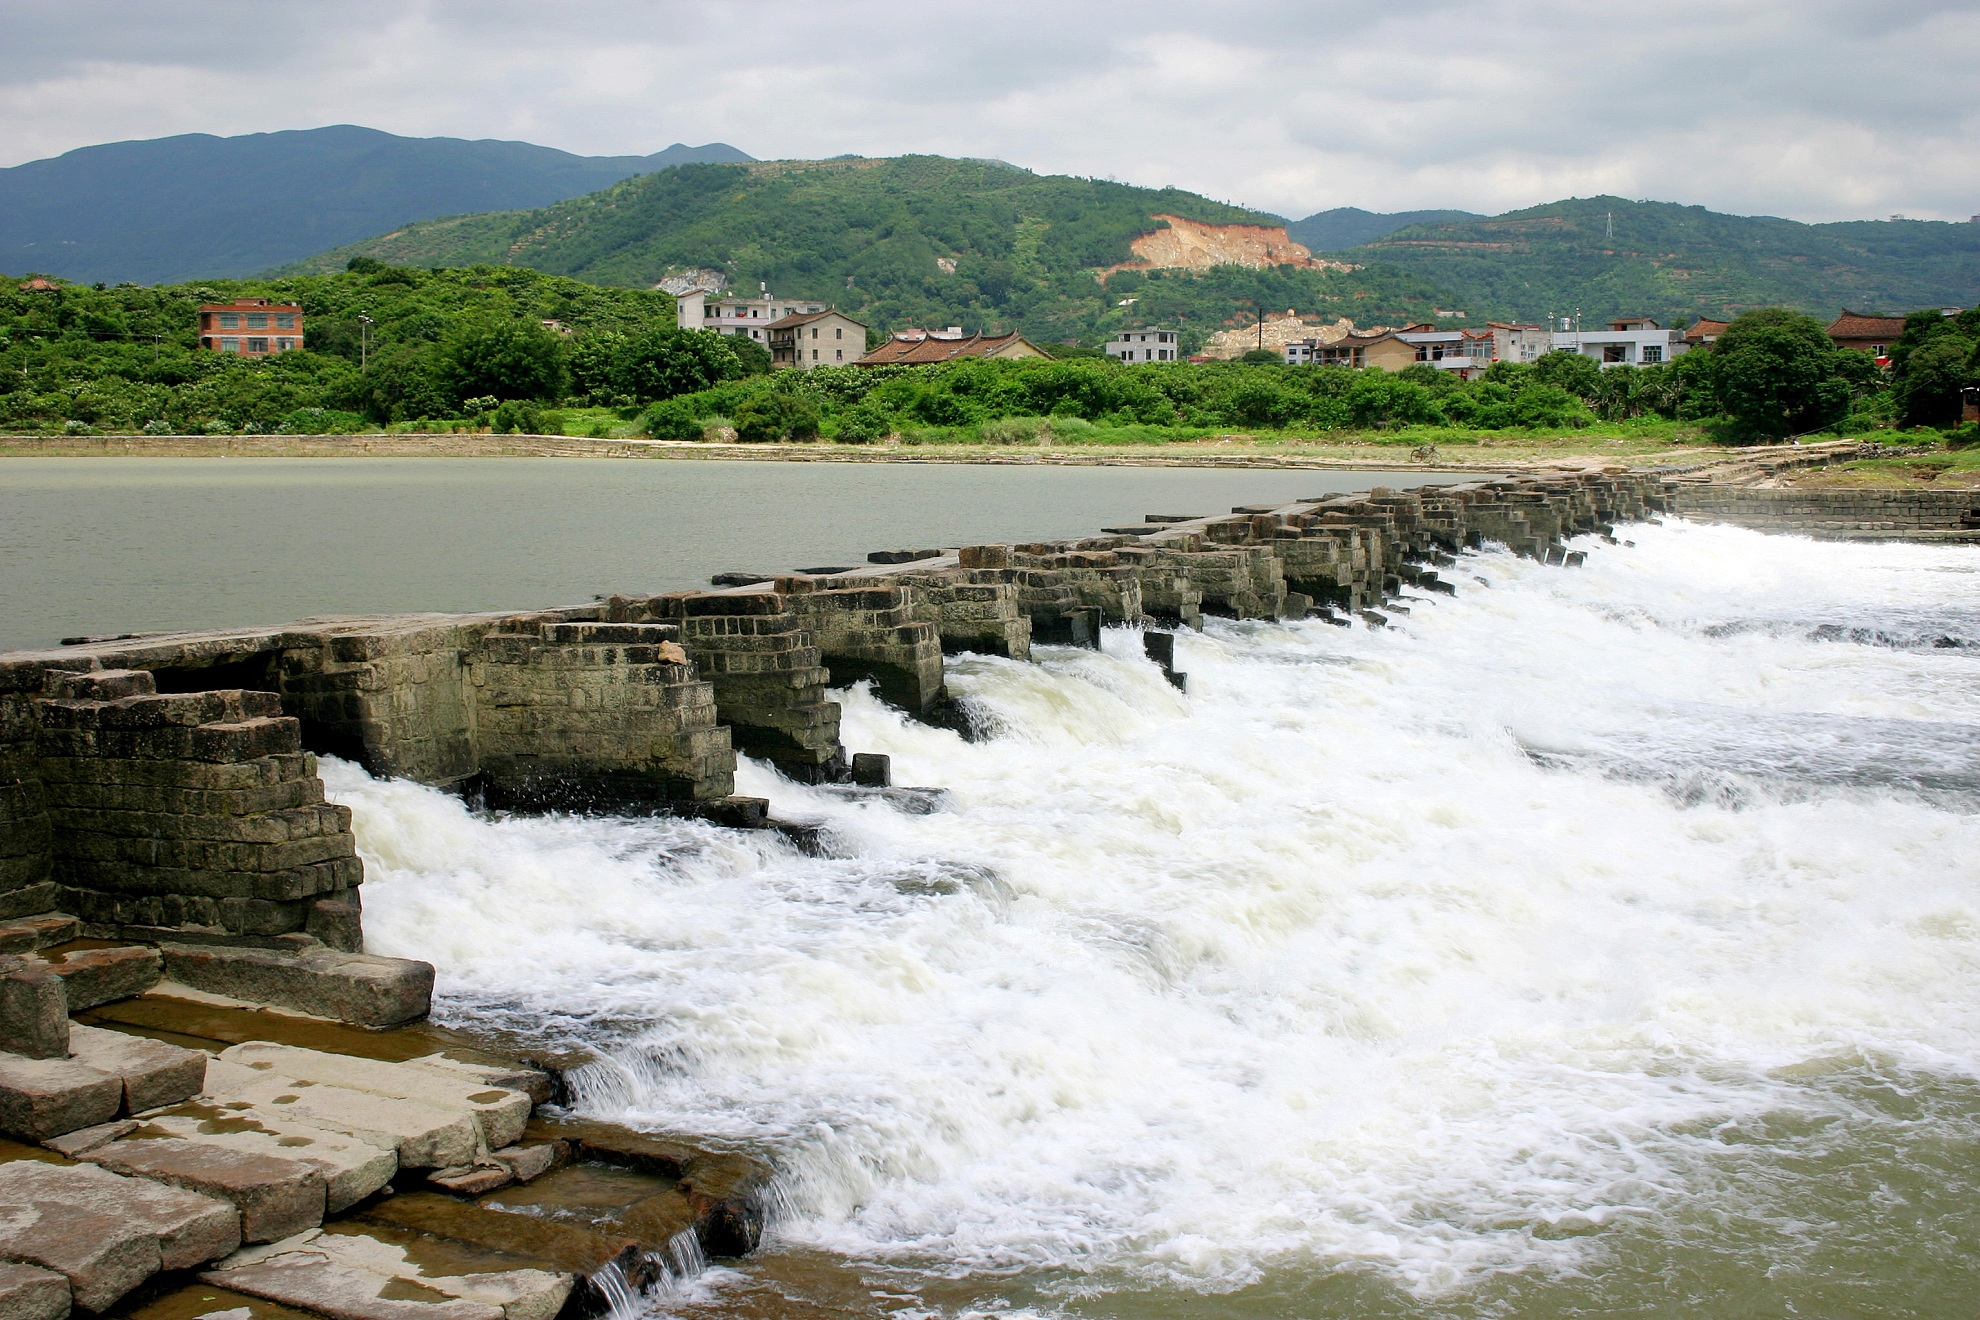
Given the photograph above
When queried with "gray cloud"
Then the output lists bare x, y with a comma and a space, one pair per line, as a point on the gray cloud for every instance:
1817, 109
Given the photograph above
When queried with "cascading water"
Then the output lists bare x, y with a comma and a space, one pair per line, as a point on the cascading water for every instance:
1601, 940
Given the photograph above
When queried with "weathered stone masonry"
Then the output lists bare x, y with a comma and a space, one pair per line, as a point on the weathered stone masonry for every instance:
163, 788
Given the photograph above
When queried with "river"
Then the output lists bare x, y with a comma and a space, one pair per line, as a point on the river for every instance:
1598, 942
115, 545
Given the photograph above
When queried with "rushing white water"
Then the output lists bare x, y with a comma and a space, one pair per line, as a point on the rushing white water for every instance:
1436, 951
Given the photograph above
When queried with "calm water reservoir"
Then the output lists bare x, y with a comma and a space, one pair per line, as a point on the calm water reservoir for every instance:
92, 546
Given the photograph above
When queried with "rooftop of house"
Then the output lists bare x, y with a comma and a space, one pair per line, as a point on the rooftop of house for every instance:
806, 318
250, 304
932, 348
1860, 325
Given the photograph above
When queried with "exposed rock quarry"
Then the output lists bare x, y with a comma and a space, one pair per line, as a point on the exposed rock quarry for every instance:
1193, 245
1236, 341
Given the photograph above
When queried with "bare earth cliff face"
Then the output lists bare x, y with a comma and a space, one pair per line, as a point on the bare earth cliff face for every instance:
1193, 245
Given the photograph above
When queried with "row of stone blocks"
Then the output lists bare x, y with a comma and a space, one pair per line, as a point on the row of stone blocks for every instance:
172, 814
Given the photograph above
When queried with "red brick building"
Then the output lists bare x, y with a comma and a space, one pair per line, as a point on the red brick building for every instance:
252, 327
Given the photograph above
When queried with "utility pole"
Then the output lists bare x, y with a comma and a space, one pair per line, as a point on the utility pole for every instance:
364, 340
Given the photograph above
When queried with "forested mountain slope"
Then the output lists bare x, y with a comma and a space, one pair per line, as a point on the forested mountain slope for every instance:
204, 207
1350, 226
913, 238
1607, 256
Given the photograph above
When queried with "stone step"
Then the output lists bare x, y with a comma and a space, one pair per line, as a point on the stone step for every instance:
189, 1017
358, 988
422, 1136
105, 1233
43, 1098
28, 1292
378, 1272
580, 1250
499, 1113
97, 972
152, 1072
352, 1169
26, 934
725, 1191
275, 1196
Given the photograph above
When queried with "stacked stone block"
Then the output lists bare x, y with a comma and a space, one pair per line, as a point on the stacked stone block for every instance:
872, 632
392, 696
190, 811
24, 830
768, 677
593, 716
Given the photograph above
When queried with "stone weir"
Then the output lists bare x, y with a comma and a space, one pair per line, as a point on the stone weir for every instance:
169, 870
162, 788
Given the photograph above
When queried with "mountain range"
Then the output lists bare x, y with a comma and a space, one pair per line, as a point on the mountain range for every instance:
928, 239
198, 206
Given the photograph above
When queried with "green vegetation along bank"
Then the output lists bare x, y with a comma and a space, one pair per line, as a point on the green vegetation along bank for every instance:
509, 349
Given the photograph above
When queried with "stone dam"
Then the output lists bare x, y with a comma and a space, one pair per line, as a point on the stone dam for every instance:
208, 1084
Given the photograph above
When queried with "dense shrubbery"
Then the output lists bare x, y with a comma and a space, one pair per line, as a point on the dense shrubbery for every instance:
1018, 402
473, 345
127, 358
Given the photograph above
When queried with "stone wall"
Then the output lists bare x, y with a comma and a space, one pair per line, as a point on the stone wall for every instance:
1836, 513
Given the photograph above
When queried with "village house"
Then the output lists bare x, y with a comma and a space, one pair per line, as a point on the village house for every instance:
729, 314
1704, 333
251, 327
1146, 343
1385, 351
915, 347
815, 339
1630, 341
1867, 334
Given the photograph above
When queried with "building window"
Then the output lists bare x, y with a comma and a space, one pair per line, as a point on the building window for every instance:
840, 354
1653, 353
257, 321
230, 345
229, 321
1615, 352
839, 333
285, 321
257, 346
1876, 350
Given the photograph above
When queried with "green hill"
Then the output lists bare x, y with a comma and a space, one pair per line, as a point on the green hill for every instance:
168, 209
1350, 226
912, 239
1606, 256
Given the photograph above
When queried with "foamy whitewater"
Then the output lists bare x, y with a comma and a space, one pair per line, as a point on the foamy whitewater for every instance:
1594, 912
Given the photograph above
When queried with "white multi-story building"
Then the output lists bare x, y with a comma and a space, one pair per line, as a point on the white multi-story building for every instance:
1146, 343
730, 315
1630, 341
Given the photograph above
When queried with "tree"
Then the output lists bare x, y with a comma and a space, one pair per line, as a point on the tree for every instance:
515, 359
777, 414
754, 357
1577, 373
1933, 360
1775, 374
664, 363
1262, 357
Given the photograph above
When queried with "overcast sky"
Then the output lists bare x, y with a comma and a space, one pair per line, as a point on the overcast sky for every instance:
1809, 109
